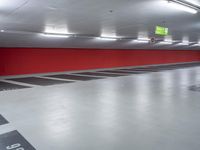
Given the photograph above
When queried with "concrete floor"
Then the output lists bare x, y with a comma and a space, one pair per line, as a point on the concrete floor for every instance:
153, 111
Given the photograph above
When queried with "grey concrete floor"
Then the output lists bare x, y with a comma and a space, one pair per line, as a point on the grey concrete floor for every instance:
153, 111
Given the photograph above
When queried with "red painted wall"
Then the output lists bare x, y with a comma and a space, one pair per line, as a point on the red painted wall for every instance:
14, 61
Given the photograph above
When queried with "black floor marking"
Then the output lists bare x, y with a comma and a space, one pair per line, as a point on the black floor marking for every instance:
39, 81
14, 141
5, 86
168, 68
99, 74
73, 77
134, 70
116, 71
159, 69
3, 120
144, 69
164, 67
131, 71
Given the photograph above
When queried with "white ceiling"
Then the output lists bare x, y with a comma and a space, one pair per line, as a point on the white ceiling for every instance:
23, 20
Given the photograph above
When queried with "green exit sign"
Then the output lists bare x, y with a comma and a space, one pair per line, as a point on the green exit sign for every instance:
161, 31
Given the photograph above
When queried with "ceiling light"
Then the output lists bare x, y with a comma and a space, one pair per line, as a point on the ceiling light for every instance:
139, 41
61, 29
106, 38
142, 40
196, 44
184, 43
56, 35
166, 42
2, 30
183, 5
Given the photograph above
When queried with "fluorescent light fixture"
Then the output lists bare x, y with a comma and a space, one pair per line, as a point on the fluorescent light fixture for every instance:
2, 30
184, 6
56, 35
184, 43
196, 44
142, 40
166, 42
106, 38
56, 31
139, 41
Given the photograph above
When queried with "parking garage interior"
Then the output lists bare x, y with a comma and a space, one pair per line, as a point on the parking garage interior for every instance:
99, 75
